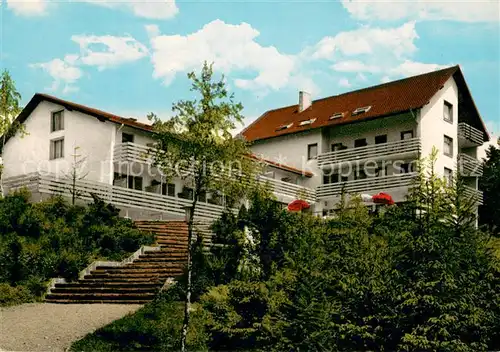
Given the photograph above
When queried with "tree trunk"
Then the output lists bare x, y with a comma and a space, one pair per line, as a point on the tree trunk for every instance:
2, 167
187, 303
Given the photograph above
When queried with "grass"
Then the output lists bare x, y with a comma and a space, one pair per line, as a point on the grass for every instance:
154, 327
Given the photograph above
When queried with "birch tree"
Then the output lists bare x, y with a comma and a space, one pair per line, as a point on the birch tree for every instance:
197, 146
9, 109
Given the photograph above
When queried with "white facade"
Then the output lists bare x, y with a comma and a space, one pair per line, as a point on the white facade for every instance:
388, 161
116, 166
368, 156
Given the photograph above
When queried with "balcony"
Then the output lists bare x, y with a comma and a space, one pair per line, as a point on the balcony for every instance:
399, 149
289, 190
469, 136
370, 185
469, 166
123, 198
132, 152
473, 193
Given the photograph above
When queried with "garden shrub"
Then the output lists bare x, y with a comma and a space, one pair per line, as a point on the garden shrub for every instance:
48, 239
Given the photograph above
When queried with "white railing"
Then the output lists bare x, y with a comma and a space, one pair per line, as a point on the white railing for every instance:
132, 152
470, 133
370, 152
469, 166
289, 189
473, 193
370, 185
119, 196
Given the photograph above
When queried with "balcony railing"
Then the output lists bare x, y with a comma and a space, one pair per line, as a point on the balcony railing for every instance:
469, 166
367, 185
469, 133
118, 196
132, 152
473, 193
371, 152
289, 189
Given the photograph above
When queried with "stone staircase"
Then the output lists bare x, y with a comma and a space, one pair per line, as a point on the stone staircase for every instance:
136, 282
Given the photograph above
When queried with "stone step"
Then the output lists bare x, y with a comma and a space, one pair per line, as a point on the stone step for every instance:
134, 276
97, 284
94, 301
104, 289
160, 260
121, 280
102, 296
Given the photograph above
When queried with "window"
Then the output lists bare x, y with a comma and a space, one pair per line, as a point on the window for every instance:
168, 189
344, 179
57, 149
406, 168
406, 135
448, 174
337, 115
326, 179
306, 122
57, 121
448, 112
187, 193
135, 182
338, 146
360, 174
202, 197
334, 178
381, 139
448, 146
360, 143
361, 110
381, 171
127, 138
284, 127
312, 151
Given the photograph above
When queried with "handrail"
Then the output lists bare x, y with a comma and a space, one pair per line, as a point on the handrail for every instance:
466, 131
370, 151
365, 185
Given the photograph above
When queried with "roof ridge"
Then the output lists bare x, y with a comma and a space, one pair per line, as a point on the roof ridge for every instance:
371, 87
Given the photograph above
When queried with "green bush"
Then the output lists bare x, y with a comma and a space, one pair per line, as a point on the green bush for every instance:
14, 295
155, 327
54, 239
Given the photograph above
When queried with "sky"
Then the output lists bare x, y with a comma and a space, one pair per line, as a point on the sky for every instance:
132, 57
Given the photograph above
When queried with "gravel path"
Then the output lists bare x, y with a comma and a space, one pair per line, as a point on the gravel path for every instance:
53, 327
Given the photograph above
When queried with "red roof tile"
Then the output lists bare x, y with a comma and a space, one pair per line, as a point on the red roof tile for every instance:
283, 166
385, 99
101, 115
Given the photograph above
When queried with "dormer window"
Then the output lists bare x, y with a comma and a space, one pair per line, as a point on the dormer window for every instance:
337, 115
307, 122
284, 127
362, 110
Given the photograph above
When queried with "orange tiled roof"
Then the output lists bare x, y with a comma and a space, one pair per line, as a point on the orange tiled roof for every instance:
101, 115
384, 100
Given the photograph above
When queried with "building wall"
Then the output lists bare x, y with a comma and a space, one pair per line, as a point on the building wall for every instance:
31, 153
291, 150
432, 127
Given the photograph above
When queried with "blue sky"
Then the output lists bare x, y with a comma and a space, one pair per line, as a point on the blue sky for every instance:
131, 58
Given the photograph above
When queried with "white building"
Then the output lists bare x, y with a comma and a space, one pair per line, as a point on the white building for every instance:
367, 141
117, 166
361, 142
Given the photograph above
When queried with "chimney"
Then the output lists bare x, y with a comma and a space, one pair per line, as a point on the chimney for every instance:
304, 101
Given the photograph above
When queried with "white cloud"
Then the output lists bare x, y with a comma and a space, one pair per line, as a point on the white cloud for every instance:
63, 72
28, 7
344, 82
232, 48
412, 68
354, 66
461, 11
152, 29
397, 41
114, 50
155, 9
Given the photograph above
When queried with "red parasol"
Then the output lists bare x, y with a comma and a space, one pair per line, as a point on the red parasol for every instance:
298, 205
383, 198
